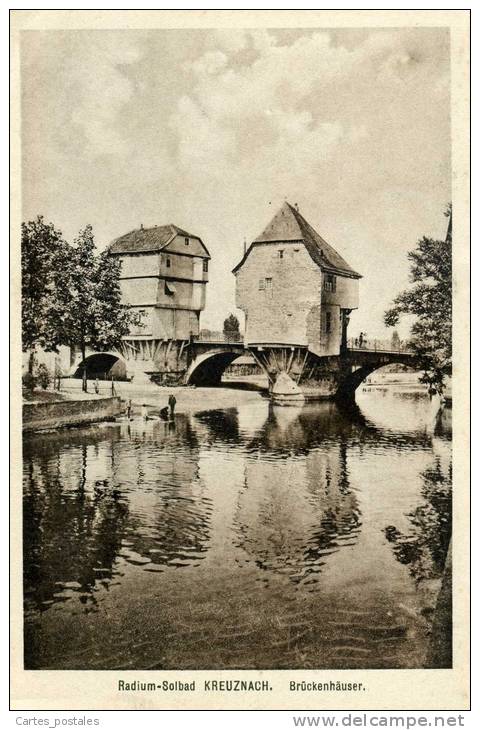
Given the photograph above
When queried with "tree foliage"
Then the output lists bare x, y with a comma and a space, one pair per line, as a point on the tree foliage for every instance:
429, 300
231, 326
95, 316
44, 254
70, 294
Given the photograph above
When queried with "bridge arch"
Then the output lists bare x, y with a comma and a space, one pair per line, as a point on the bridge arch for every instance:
349, 382
207, 368
101, 365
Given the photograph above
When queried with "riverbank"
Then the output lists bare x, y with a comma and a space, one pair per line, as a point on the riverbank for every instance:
65, 411
189, 398
48, 410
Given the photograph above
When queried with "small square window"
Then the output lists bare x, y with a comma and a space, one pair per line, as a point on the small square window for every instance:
187, 241
261, 283
168, 262
268, 283
280, 253
205, 264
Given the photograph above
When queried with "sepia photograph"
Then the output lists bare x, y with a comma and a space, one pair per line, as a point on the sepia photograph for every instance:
235, 287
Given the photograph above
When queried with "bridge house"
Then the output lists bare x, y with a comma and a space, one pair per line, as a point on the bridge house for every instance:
294, 288
165, 274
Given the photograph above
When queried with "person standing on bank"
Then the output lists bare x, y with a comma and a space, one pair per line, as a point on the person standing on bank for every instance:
171, 402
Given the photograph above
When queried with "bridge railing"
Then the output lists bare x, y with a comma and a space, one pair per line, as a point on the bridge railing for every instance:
374, 345
211, 336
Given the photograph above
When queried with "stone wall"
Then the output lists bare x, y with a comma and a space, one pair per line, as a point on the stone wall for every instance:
345, 294
278, 312
41, 416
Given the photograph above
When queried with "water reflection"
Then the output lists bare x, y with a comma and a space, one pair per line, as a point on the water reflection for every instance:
241, 522
221, 424
72, 532
292, 514
424, 547
148, 508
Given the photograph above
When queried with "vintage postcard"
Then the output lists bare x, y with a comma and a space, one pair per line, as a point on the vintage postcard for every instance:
240, 410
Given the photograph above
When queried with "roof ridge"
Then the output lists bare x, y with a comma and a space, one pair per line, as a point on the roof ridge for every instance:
285, 229
325, 250
154, 238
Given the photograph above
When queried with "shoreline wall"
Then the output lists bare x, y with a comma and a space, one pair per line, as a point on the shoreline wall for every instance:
41, 416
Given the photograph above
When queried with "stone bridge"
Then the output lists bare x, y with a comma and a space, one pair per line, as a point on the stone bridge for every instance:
359, 363
202, 362
183, 362
329, 376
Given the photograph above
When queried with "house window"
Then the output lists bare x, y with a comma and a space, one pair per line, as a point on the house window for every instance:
168, 262
187, 241
330, 282
261, 283
205, 264
328, 322
280, 253
268, 283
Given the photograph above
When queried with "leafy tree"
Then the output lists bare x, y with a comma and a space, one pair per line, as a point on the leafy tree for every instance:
70, 295
113, 319
94, 315
43, 376
44, 254
79, 292
231, 327
29, 382
429, 300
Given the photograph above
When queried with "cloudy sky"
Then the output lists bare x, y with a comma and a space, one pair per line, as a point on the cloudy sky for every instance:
213, 130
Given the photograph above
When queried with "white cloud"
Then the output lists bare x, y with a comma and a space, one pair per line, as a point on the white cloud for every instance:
212, 130
231, 40
328, 126
95, 68
210, 63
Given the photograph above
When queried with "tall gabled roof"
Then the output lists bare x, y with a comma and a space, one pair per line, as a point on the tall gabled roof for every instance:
290, 225
143, 240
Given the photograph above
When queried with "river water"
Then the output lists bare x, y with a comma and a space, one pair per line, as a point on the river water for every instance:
246, 537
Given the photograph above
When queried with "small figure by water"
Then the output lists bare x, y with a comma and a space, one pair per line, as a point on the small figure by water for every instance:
164, 413
172, 402
129, 408
96, 386
360, 340
144, 411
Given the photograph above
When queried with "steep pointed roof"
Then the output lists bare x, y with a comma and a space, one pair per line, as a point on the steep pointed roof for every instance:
143, 240
290, 225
